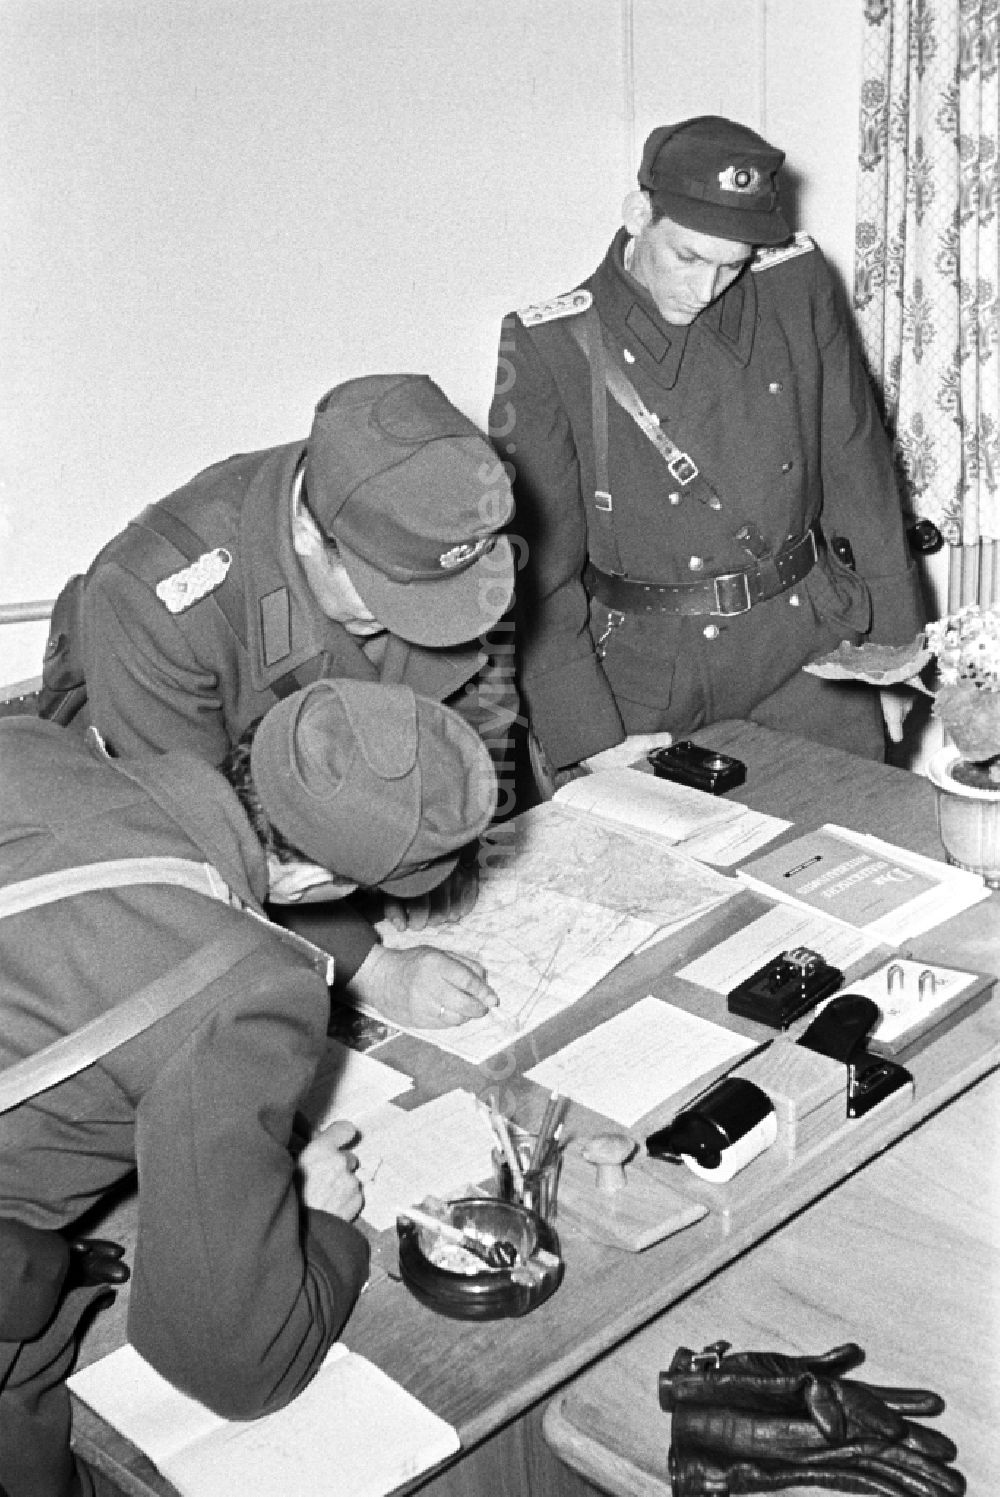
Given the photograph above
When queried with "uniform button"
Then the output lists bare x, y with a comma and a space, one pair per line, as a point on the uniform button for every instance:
793, 601
711, 631
715, 502
674, 498
775, 387
786, 467
695, 564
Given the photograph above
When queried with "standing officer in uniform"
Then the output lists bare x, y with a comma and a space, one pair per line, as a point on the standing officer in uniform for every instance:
369, 552
134, 887
695, 448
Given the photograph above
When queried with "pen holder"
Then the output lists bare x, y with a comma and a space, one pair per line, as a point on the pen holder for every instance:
537, 1189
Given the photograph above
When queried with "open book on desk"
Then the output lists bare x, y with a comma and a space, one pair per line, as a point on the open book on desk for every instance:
707, 827
353, 1429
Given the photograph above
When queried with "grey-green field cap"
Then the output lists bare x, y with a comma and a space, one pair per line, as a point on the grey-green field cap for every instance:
414, 498
379, 785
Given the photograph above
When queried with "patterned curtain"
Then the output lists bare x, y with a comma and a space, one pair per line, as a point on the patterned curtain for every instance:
927, 257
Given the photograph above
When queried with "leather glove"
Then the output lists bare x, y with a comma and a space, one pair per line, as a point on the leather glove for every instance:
796, 1450
715, 1373
879, 1470
760, 1421
95, 1260
771, 1381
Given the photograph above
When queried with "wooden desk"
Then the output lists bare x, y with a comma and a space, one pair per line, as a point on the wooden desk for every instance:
902, 1258
492, 1381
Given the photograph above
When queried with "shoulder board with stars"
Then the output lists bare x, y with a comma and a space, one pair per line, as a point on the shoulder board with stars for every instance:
567, 305
181, 590
767, 259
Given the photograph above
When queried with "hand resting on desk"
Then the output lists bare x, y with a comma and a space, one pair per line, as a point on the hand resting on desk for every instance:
621, 755
327, 1172
423, 987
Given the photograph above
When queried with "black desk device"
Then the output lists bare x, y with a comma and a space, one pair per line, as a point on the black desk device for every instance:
841, 1031
785, 988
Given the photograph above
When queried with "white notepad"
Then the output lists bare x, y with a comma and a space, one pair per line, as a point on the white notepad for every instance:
630, 1064
353, 1429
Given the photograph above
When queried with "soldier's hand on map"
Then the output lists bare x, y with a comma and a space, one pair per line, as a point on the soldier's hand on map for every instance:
635, 747
452, 899
423, 987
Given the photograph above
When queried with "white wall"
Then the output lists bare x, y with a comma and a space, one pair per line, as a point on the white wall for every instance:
213, 210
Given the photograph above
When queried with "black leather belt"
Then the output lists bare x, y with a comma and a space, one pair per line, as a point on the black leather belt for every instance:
727, 594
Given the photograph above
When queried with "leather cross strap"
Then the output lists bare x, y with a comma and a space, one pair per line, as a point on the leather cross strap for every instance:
723, 596
74, 1052
115, 873
608, 375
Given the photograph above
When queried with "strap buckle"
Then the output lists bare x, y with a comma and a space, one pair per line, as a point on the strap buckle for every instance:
732, 593
682, 468
602, 501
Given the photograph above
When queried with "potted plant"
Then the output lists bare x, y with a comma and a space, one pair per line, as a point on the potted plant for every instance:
961, 654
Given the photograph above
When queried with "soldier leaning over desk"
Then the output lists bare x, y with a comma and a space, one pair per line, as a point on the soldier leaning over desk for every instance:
369, 552
246, 1265
690, 430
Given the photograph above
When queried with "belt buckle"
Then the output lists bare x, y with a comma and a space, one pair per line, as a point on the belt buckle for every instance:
682, 468
732, 593
602, 501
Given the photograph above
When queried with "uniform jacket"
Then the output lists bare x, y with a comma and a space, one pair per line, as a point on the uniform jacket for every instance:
766, 391
237, 1291
158, 679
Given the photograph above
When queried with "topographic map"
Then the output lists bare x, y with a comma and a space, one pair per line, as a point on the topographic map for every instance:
563, 899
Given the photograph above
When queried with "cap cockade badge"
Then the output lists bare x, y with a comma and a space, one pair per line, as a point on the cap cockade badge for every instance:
740, 179
461, 555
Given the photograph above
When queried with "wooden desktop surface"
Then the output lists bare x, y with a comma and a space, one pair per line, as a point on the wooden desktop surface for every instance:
901, 1258
492, 1380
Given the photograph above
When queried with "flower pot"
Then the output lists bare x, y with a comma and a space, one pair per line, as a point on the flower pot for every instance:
968, 819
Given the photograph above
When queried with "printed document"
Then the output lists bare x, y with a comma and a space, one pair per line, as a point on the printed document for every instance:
888, 891
637, 1060
441, 1149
